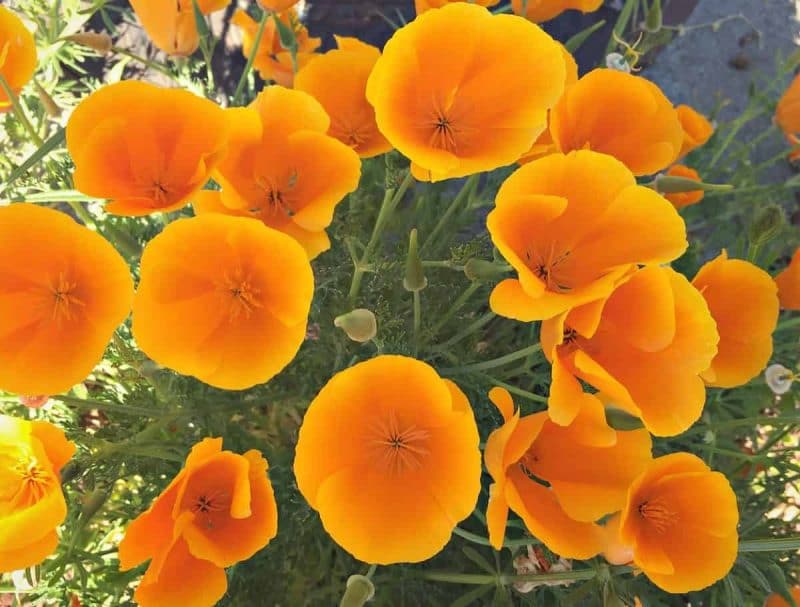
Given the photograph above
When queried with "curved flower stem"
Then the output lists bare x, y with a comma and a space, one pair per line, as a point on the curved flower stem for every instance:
781, 544
417, 322
518, 391
19, 112
160, 68
788, 323
391, 199
82, 214
466, 190
505, 580
237, 94
744, 421
477, 539
495, 362
106, 406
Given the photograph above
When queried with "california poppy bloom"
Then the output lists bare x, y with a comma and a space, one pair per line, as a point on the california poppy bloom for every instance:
644, 348
680, 521
17, 54
273, 62
453, 114
224, 299
745, 331
277, 5
787, 112
63, 292
697, 129
338, 80
138, 145
584, 482
572, 227
424, 5
684, 199
219, 510
32, 504
171, 25
389, 440
776, 600
788, 282
544, 10
624, 116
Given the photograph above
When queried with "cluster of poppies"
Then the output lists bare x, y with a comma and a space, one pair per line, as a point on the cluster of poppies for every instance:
388, 452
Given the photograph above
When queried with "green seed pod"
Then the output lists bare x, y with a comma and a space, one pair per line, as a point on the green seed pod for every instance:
766, 225
360, 324
415, 274
359, 590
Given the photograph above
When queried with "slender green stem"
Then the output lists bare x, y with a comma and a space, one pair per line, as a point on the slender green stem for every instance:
467, 331
483, 579
477, 539
237, 94
518, 391
103, 405
82, 213
773, 544
162, 69
469, 186
736, 126
750, 422
455, 307
371, 571
19, 111
495, 362
417, 321
788, 323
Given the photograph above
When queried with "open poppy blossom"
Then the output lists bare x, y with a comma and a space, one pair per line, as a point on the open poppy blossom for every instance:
459, 90
63, 292
138, 145
572, 227
338, 80
283, 168
745, 332
684, 199
424, 5
17, 54
171, 25
624, 116
584, 482
273, 62
680, 522
788, 282
32, 504
389, 440
224, 299
697, 129
544, 10
644, 348
219, 510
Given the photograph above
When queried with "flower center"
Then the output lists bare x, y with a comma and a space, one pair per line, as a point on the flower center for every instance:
65, 302
158, 192
278, 198
398, 447
657, 514
242, 294
443, 132
549, 268
208, 505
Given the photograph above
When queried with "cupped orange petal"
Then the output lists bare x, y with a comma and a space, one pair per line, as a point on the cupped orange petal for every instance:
544, 10
697, 129
787, 112
684, 199
223, 298
447, 96
423, 5
63, 292
624, 116
171, 26
745, 332
276, 5
17, 54
788, 282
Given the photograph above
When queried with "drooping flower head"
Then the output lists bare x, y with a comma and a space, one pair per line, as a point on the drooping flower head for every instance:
644, 348
544, 10
224, 299
424, 5
684, 199
17, 54
389, 440
140, 146
283, 168
338, 80
171, 25
63, 292
697, 129
459, 90
624, 116
788, 282
745, 331
273, 62
219, 510
572, 226
680, 521
32, 504
584, 481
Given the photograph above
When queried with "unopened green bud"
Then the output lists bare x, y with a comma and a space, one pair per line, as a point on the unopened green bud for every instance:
93, 502
360, 324
654, 19
49, 104
622, 420
767, 224
480, 269
667, 184
359, 590
415, 274
99, 42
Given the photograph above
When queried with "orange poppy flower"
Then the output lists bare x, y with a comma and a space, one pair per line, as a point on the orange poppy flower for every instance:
447, 97
680, 521
544, 10
697, 129
273, 62
224, 299
586, 481
17, 54
776, 600
619, 114
63, 292
282, 167
218, 510
410, 456
644, 348
32, 504
338, 80
424, 5
572, 227
787, 112
171, 25
788, 282
745, 331
139, 146
277, 5
684, 199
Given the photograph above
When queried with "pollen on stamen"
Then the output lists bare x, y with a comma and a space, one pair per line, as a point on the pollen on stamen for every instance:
657, 514
244, 296
399, 448
65, 301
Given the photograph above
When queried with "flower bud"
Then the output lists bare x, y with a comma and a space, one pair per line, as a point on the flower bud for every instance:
360, 324
654, 19
359, 590
621, 420
480, 269
766, 225
415, 274
667, 184
616, 61
779, 379
50, 106
99, 42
